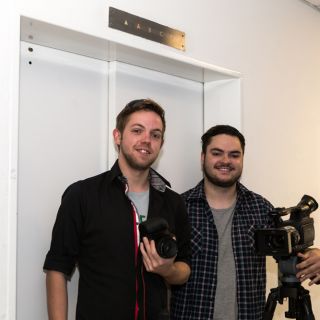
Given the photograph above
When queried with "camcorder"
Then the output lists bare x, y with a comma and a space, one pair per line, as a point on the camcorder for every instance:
283, 242
289, 236
157, 229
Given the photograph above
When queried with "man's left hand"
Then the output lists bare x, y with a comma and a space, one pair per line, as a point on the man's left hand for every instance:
309, 268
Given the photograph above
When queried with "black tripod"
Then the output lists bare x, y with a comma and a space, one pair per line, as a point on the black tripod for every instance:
299, 306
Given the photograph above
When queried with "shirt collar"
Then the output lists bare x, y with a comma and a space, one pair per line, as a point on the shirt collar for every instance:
156, 180
198, 191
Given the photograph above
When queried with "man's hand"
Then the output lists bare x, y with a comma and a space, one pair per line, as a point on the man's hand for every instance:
309, 268
173, 272
151, 259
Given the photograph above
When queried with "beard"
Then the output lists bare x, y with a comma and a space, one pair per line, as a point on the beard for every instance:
134, 164
219, 182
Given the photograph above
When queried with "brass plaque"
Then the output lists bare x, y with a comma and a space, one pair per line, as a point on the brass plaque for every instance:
147, 29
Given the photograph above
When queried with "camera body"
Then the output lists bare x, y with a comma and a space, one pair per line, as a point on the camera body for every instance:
157, 229
289, 236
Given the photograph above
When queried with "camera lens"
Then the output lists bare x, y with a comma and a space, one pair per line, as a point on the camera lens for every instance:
278, 241
275, 241
166, 247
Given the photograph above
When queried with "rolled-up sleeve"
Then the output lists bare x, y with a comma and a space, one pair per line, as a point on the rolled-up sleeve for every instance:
65, 242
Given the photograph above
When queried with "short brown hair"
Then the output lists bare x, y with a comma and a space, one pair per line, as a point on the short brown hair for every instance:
221, 129
139, 105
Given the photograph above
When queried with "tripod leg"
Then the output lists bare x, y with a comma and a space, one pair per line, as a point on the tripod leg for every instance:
271, 304
306, 306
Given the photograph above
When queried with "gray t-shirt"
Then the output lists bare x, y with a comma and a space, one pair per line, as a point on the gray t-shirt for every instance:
141, 202
225, 306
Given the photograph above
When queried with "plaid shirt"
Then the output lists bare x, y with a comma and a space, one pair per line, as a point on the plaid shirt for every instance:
195, 299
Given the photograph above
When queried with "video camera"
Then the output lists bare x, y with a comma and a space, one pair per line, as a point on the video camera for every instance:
289, 236
283, 242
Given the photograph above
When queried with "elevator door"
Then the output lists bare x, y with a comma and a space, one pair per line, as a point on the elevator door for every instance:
62, 138
68, 105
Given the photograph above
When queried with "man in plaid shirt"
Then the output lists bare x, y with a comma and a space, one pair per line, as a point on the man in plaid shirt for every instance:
228, 279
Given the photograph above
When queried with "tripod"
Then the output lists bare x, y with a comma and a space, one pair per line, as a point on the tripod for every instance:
299, 299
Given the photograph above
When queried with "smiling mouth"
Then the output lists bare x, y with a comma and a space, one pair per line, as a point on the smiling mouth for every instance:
224, 169
143, 151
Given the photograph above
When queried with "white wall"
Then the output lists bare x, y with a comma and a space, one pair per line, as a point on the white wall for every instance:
9, 57
274, 44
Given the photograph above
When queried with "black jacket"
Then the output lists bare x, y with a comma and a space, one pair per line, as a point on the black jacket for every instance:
94, 230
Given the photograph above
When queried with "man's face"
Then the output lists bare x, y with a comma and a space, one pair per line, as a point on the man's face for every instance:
223, 161
141, 140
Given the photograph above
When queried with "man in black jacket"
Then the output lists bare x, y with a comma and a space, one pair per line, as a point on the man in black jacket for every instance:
122, 277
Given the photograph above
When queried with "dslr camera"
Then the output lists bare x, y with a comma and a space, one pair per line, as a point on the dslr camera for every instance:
289, 236
157, 229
